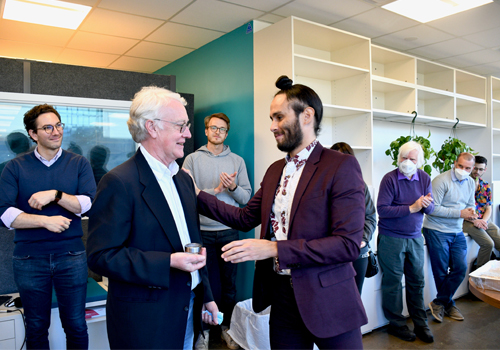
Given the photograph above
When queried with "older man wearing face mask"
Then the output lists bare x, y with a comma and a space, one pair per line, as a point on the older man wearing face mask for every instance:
453, 193
404, 197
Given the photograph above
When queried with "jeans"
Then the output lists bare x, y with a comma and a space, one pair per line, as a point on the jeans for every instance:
446, 250
485, 239
398, 256
221, 274
35, 275
189, 335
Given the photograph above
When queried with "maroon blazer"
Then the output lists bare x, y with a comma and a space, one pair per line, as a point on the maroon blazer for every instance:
326, 228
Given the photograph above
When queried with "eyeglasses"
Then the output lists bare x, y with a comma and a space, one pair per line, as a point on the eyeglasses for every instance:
479, 169
49, 129
222, 131
182, 126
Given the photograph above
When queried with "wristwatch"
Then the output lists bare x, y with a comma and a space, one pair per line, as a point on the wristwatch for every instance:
230, 190
58, 196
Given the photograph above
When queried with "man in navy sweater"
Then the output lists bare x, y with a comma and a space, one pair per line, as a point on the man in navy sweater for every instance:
42, 195
404, 197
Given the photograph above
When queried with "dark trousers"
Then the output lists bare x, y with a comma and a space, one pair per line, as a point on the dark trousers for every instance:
221, 274
398, 256
288, 331
360, 265
35, 276
448, 255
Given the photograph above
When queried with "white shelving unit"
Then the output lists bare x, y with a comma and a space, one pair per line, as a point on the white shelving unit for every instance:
494, 99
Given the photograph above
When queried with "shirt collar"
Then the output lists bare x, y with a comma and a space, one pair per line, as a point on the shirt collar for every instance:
401, 176
42, 159
300, 158
159, 169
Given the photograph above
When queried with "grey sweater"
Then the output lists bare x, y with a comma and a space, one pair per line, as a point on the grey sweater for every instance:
450, 197
206, 169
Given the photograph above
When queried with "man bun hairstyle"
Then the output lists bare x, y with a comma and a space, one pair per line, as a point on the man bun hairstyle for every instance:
301, 97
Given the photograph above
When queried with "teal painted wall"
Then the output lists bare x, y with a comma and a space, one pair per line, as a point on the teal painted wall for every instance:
220, 75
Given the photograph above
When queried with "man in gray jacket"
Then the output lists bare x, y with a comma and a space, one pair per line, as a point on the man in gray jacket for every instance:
218, 171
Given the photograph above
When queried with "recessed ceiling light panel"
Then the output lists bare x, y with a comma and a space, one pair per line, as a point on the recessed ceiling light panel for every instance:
46, 12
430, 10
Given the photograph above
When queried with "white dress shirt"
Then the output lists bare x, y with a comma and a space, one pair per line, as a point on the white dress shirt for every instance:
164, 176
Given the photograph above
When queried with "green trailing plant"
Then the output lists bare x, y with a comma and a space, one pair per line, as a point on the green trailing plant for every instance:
449, 152
393, 150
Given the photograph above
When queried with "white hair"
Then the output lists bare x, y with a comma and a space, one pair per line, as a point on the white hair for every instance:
146, 106
405, 149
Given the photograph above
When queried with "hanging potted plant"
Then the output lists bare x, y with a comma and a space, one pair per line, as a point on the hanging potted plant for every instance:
393, 151
449, 152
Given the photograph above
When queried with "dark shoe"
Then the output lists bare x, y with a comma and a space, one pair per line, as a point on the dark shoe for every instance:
437, 311
424, 333
402, 332
454, 313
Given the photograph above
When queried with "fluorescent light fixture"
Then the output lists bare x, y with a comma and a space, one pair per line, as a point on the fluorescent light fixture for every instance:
46, 12
429, 10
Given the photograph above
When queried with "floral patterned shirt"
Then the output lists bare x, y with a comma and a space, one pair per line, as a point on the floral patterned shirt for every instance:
483, 197
283, 199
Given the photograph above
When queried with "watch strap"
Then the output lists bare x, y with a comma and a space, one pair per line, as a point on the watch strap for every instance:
58, 196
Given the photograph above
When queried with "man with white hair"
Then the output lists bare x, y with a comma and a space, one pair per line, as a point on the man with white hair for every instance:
404, 197
145, 214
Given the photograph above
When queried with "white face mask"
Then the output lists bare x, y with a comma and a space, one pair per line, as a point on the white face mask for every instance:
461, 174
407, 168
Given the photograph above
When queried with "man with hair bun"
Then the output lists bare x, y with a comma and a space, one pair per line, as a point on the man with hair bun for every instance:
453, 193
311, 210
143, 216
404, 197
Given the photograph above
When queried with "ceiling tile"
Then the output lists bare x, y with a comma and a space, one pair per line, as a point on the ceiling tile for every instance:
36, 52
183, 35
119, 24
476, 20
375, 23
158, 51
162, 9
473, 58
34, 33
83, 2
413, 37
85, 58
101, 43
137, 64
445, 49
262, 5
325, 12
486, 69
270, 18
216, 15
488, 38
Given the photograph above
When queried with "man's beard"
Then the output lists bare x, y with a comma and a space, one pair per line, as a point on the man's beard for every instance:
292, 137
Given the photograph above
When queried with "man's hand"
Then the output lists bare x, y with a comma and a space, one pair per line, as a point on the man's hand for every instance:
468, 213
480, 223
56, 223
220, 188
427, 200
214, 310
42, 198
249, 249
228, 180
188, 262
196, 189
417, 206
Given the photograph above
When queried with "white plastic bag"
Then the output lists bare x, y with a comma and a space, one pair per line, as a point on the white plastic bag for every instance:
249, 329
